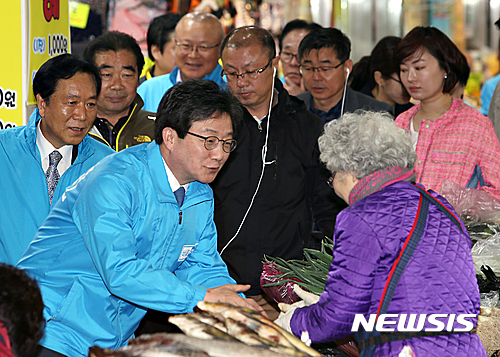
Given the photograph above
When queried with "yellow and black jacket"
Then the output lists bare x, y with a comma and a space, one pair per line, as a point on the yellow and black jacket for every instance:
135, 128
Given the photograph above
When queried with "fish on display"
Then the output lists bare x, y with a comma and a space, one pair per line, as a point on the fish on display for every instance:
254, 321
209, 320
195, 328
254, 324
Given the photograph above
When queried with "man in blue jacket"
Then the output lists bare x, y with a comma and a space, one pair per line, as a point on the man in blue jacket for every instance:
124, 238
41, 159
198, 36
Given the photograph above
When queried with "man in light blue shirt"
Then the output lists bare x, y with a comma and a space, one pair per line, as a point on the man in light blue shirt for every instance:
198, 36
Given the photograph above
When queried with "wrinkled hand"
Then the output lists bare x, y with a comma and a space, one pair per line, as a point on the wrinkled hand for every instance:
307, 297
292, 88
228, 294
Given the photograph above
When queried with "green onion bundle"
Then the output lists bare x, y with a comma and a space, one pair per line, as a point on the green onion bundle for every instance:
311, 273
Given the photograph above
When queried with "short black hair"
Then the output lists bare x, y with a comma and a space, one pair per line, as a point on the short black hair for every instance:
64, 66
160, 31
297, 24
191, 101
326, 37
239, 38
439, 46
21, 310
115, 41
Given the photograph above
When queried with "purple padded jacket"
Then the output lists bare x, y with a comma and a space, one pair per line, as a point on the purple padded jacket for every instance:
439, 277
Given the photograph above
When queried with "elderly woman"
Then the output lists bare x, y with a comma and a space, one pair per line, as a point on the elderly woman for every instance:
371, 161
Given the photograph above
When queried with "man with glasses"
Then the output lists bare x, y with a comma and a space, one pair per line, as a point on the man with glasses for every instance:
325, 64
136, 232
198, 36
268, 191
293, 32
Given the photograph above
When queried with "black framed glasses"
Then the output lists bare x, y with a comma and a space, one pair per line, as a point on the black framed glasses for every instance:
188, 47
324, 70
287, 57
211, 142
395, 79
231, 76
330, 180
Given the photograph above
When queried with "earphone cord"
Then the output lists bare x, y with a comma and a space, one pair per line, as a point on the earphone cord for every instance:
264, 153
343, 96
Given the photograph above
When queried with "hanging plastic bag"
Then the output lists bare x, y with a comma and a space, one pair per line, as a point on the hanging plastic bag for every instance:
471, 204
487, 252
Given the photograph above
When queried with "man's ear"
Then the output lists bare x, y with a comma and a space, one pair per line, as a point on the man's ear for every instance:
348, 64
155, 51
41, 104
169, 137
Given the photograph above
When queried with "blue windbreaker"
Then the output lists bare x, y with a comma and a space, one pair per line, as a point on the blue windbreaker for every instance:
152, 90
24, 199
118, 243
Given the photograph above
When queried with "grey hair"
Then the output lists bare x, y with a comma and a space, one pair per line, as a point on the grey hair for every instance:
364, 142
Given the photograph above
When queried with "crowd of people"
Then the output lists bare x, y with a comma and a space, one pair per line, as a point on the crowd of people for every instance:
127, 196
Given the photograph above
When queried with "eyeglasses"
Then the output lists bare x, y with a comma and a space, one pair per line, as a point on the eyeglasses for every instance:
395, 79
330, 180
287, 57
188, 48
211, 142
250, 74
324, 70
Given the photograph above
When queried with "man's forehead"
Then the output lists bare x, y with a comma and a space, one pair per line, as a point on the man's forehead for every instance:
190, 29
249, 54
216, 123
325, 54
109, 58
68, 87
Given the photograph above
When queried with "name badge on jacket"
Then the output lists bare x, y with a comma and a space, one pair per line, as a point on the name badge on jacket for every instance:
186, 250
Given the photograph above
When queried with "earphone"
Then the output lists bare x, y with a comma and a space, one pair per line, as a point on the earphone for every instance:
264, 163
347, 71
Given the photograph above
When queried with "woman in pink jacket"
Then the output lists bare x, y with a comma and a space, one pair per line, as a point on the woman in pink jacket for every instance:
452, 140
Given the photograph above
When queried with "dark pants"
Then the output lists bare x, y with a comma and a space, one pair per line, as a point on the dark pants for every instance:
45, 352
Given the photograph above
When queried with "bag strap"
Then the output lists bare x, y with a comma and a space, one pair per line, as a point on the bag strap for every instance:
368, 341
441, 207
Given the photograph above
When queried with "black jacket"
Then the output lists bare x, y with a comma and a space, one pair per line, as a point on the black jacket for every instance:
280, 221
355, 100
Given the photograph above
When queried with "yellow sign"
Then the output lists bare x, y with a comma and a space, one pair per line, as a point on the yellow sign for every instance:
11, 65
78, 14
49, 34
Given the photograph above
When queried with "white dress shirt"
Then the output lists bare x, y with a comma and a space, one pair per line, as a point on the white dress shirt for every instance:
174, 184
45, 148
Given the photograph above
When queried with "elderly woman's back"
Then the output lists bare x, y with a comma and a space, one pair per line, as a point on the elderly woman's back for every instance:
386, 209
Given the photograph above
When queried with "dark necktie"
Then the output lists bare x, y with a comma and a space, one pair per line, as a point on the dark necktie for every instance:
179, 195
52, 174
